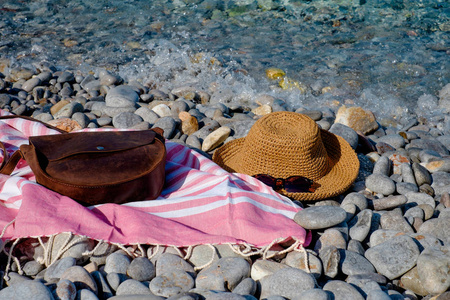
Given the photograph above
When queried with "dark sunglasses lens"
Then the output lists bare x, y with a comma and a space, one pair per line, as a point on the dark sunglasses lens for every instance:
266, 179
299, 184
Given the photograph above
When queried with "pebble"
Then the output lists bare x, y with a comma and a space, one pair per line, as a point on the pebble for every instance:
394, 140
357, 199
141, 269
55, 270
359, 226
117, 263
320, 217
172, 283
132, 287
394, 257
345, 132
262, 268
394, 220
126, 120
287, 283
352, 263
122, 96
66, 290
330, 237
29, 289
342, 290
330, 257
216, 138
246, 287
310, 264
223, 275
389, 202
168, 124
379, 183
433, 267
81, 278
357, 118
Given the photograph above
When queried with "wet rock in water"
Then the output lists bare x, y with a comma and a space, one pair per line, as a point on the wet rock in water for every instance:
394, 257
287, 283
320, 217
357, 118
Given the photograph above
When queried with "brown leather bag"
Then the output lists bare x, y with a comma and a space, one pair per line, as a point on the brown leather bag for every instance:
97, 167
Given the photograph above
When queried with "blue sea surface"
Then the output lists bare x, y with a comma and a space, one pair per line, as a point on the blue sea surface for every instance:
382, 55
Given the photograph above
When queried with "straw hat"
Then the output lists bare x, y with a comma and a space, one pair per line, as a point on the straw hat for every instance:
284, 144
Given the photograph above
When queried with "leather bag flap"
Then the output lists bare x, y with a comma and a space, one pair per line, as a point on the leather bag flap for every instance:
59, 146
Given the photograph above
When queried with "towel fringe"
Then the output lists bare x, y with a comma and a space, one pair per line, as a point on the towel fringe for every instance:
243, 249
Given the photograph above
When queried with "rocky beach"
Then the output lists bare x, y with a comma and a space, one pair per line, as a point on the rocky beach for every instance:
385, 238
375, 73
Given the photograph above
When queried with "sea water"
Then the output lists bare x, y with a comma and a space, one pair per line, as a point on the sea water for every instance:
389, 56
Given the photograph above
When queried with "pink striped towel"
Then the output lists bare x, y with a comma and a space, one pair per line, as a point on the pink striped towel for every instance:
201, 204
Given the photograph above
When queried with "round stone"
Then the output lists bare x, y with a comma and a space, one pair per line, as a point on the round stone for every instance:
310, 264
81, 278
132, 287
320, 217
381, 184
122, 96
55, 270
342, 290
171, 283
126, 120
225, 274
433, 267
359, 226
352, 263
389, 202
382, 166
287, 283
141, 269
394, 257
168, 124
65, 289
345, 132
28, 289
117, 263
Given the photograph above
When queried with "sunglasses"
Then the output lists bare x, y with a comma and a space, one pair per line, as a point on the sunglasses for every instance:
293, 184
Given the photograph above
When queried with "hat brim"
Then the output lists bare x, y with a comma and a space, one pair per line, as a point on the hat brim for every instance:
343, 170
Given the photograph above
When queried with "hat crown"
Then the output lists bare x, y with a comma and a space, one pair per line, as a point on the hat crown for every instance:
284, 144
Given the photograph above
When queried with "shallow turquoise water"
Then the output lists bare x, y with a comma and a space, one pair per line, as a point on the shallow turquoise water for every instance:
382, 55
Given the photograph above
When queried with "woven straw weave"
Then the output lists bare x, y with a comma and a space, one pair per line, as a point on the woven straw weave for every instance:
284, 144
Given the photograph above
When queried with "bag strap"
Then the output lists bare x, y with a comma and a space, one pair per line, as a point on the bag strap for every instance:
9, 163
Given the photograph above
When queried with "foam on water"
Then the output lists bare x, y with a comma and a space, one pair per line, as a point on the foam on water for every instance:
382, 55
